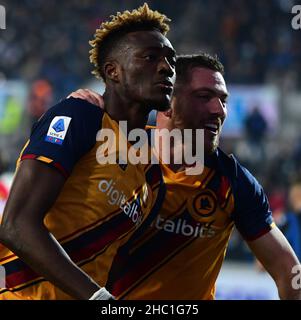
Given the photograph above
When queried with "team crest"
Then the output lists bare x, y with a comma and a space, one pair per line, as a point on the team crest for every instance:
204, 204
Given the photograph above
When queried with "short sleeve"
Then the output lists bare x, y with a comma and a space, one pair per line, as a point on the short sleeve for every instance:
252, 214
64, 134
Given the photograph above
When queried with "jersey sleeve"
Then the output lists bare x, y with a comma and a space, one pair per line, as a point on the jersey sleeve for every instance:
64, 134
252, 214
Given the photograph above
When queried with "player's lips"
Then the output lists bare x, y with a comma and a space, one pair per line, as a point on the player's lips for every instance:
213, 127
165, 84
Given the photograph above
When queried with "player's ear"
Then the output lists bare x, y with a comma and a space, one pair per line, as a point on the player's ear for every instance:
168, 113
163, 117
112, 71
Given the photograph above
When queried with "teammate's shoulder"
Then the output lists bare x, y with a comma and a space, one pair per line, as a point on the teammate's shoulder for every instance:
73, 117
227, 162
243, 173
234, 169
74, 106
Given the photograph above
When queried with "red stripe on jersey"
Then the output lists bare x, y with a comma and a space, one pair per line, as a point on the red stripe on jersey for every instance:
107, 235
53, 164
29, 156
130, 269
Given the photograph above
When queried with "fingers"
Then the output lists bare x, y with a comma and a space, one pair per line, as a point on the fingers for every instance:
78, 95
88, 95
82, 94
98, 98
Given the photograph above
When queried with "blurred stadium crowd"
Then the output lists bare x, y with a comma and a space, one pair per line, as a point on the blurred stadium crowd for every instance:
45, 47
49, 38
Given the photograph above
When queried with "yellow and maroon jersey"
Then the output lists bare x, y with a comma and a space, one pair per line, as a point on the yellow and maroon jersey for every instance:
180, 255
99, 207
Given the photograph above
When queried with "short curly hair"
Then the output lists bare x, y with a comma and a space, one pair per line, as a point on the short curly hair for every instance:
110, 32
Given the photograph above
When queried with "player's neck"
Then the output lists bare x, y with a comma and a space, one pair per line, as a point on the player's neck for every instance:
177, 150
173, 163
121, 109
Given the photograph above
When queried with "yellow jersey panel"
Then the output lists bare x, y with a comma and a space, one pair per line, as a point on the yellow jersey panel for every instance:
180, 255
98, 209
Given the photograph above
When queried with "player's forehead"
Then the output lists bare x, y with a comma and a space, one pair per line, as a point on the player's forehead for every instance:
142, 40
201, 78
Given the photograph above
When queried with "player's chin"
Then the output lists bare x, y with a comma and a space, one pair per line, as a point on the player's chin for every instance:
211, 145
161, 103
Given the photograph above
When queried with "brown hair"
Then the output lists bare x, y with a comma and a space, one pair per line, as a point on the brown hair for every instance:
202, 60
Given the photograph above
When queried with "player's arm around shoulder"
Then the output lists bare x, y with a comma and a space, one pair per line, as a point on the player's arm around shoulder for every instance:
88, 95
253, 219
35, 189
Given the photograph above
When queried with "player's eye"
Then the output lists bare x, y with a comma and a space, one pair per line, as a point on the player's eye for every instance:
172, 61
205, 97
150, 57
224, 100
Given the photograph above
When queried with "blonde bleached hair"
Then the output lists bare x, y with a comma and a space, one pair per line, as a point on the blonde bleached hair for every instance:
142, 18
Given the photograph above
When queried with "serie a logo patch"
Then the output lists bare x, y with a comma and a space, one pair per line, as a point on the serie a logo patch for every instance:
58, 129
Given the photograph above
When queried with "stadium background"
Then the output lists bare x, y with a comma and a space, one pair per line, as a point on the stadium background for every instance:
44, 56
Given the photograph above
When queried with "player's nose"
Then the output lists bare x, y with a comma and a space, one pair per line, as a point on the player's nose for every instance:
218, 108
164, 67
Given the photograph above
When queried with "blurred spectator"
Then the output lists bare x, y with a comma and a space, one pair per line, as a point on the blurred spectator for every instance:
40, 99
2, 165
11, 116
253, 149
253, 44
287, 221
256, 126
